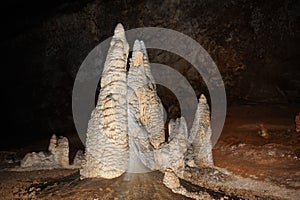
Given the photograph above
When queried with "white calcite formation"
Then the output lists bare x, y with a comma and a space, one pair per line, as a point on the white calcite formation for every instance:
78, 159
60, 150
200, 135
56, 157
106, 153
171, 154
126, 129
145, 111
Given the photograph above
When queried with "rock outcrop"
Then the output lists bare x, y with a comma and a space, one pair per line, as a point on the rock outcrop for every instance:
106, 152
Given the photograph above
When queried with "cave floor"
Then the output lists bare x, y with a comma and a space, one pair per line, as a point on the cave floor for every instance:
257, 142
272, 156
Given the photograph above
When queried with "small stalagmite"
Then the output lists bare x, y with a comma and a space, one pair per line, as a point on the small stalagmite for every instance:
106, 153
56, 157
200, 135
171, 155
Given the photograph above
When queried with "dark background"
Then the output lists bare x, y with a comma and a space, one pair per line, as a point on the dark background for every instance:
255, 45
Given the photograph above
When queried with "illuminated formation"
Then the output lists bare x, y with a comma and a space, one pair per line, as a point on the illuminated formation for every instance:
106, 153
126, 129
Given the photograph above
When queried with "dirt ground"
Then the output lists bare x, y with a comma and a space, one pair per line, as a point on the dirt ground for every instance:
257, 142
260, 142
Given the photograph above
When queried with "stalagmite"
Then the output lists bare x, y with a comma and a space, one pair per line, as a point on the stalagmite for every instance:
145, 112
141, 83
106, 153
60, 149
200, 135
126, 129
56, 157
171, 155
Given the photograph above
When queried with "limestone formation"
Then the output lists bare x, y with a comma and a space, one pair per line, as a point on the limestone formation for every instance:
106, 153
172, 181
145, 111
57, 155
126, 129
39, 160
200, 135
60, 150
171, 155
143, 93
78, 159
297, 122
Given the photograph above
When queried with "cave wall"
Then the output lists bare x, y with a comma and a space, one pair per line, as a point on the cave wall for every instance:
253, 43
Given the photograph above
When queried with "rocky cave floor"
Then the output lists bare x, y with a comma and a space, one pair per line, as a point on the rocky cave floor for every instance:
258, 141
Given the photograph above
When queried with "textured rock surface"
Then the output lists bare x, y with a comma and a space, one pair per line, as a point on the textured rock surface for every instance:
143, 94
57, 155
78, 159
60, 150
145, 111
200, 135
107, 141
171, 154
41, 159
172, 181
254, 44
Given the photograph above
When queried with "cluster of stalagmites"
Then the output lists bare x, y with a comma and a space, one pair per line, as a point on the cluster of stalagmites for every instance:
126, 129
57, 155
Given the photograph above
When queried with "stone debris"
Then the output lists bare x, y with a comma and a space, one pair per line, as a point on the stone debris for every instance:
56, 157
106, 153
297, 122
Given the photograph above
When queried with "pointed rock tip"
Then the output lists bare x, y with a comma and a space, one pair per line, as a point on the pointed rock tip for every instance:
202, 99
143, 47
137, 45
119, 32
119, 28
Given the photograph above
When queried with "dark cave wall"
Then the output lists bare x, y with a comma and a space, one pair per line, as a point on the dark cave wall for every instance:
253, 43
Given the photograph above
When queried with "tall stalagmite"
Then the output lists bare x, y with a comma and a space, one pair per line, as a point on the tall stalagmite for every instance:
145, 111
200, 135
106, 153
